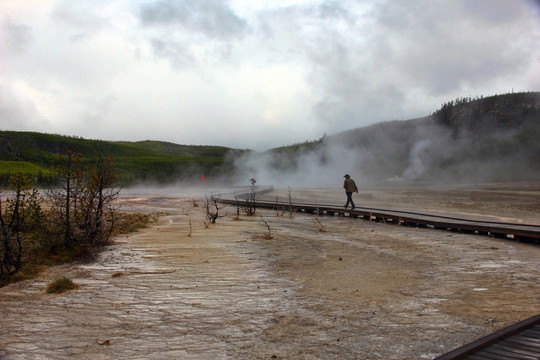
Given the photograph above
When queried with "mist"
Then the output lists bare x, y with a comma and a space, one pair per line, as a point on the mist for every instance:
379, 159
401, 152
322, 167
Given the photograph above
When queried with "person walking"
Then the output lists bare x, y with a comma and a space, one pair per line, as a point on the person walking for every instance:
350, 186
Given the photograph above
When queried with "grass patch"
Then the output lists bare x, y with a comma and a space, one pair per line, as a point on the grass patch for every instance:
131, 222
28, 271
11, 167
61, 285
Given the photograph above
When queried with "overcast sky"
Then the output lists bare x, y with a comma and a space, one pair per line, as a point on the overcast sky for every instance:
253, 73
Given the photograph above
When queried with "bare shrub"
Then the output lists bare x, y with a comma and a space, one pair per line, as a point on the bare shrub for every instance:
249, 206
292, 209
206, 223
268, 235
237, 215
318, 220
211, 209
82, 207
280, 210
21, 217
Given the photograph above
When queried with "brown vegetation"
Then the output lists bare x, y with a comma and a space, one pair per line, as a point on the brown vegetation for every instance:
73, 222
61, 285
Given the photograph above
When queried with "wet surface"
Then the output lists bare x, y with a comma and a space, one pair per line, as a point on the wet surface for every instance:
199, 301
352, 289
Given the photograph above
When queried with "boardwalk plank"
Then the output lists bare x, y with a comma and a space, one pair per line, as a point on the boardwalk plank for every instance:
522, 336
477, 357
534, 343
519, 351
497, 352
521, 232
525, 346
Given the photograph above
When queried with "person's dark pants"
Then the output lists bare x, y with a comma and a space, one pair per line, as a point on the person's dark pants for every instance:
349, 200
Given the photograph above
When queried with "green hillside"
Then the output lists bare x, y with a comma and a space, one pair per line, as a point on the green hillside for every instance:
153, 161
171, 149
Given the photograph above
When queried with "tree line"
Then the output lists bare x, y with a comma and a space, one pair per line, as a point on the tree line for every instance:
76, 216
144, 161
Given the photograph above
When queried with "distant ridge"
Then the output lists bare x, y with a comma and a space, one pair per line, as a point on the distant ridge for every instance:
480, 140
143, 161
487, 139
495, 111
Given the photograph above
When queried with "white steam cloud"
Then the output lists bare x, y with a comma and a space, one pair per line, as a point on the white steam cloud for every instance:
416, 166
322, 167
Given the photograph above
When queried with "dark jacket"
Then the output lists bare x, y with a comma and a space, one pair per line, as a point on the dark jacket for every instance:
350, 186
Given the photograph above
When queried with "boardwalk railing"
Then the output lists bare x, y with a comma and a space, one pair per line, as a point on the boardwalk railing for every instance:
518, 341
519, 232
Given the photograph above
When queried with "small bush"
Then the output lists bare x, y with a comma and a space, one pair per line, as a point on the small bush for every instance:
61, 285
128, 223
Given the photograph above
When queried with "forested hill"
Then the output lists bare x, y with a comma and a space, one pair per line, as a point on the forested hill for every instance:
495, 138
144, 161
494, 112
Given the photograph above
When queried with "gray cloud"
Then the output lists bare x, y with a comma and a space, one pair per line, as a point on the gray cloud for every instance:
16, 36
494, 12
368, 69
178, 53
446, 48
18, 114
255, 74
213, 18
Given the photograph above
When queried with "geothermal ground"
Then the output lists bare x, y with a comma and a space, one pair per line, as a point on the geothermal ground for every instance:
336, 288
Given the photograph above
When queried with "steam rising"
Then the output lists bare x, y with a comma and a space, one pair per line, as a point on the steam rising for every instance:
322, 167
416, 166
398, 152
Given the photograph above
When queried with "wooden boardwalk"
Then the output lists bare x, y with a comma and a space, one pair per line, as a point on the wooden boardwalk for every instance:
519, 341
506, 230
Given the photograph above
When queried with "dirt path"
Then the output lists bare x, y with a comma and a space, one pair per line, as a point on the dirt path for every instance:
355, 290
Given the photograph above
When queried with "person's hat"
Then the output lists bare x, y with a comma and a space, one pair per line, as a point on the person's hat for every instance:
346, 176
